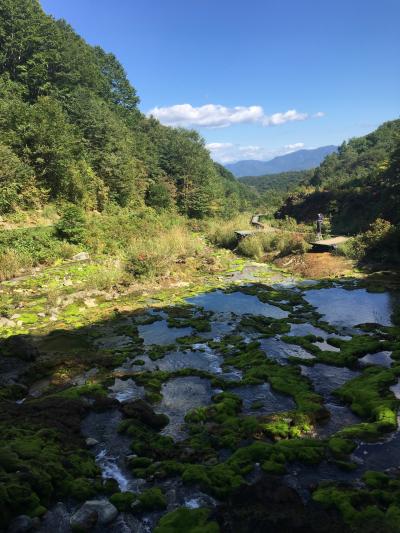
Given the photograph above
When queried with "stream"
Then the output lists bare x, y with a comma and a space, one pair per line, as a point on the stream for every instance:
338, 306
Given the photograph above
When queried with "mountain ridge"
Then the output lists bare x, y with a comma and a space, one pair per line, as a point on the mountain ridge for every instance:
298, 160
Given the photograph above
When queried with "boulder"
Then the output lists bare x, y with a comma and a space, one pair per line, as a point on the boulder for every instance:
84, 519
82, 256
142, 411
93, 512
21, 524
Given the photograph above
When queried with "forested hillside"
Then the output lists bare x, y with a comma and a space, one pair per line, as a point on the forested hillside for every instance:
273, 188
356, 187
70, 129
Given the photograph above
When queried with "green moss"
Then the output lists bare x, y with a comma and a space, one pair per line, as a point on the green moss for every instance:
185, 520
157, 351
123, 500
340, 447
370, 398
221, 480
89, 389
272, 467
35, 468
152, 500
81, 489
287, 425
267, 326
189, 340
364, 510
376, 480
146, 441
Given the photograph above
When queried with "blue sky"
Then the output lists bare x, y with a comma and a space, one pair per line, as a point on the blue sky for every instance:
257, 78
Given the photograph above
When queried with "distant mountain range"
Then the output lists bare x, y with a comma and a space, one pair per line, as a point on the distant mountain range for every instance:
300, 160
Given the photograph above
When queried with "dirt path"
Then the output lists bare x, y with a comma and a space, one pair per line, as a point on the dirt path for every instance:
316, 265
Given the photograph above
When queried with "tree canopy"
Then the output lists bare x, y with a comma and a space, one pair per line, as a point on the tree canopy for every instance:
70, 127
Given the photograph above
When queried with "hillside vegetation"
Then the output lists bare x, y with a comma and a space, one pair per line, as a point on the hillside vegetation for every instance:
274, 188
358, 190
71, 130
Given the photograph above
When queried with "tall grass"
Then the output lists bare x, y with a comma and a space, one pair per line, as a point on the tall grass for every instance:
12, 262
273, 243
221, 232
156, 255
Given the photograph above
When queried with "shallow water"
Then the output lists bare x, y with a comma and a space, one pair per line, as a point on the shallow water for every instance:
379, 358
181, 395
278, 350
200, 358
159, 333
326, 378
236, 303
126, 389
272, 402
351, 307
112, 447
341, 416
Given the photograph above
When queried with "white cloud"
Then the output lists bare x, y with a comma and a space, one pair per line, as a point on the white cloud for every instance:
281, 118
320, 114
219, 116
293, 147
229, 152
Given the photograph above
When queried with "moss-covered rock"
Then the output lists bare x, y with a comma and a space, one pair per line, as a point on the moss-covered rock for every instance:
188, 521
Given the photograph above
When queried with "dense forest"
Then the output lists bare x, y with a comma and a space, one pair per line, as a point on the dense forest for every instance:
70, 129
274, 188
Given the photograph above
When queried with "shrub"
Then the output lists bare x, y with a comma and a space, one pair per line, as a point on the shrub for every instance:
71, 225
30, 247
251, 247
379, 242
294, 244
12, 262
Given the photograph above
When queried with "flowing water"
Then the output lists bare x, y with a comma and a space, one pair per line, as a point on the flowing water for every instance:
340, 307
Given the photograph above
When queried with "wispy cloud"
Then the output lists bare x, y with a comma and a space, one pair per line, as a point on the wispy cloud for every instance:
230, 152
219, 116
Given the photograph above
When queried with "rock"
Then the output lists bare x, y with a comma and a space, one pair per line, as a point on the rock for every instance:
15, 316
91, 442
90, 302
21, 524
68, 282
6, 322
84, 519
42, 315
82, 256
142, 411
94, 512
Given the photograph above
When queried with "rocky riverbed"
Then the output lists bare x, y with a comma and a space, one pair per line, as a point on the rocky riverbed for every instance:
252, 401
